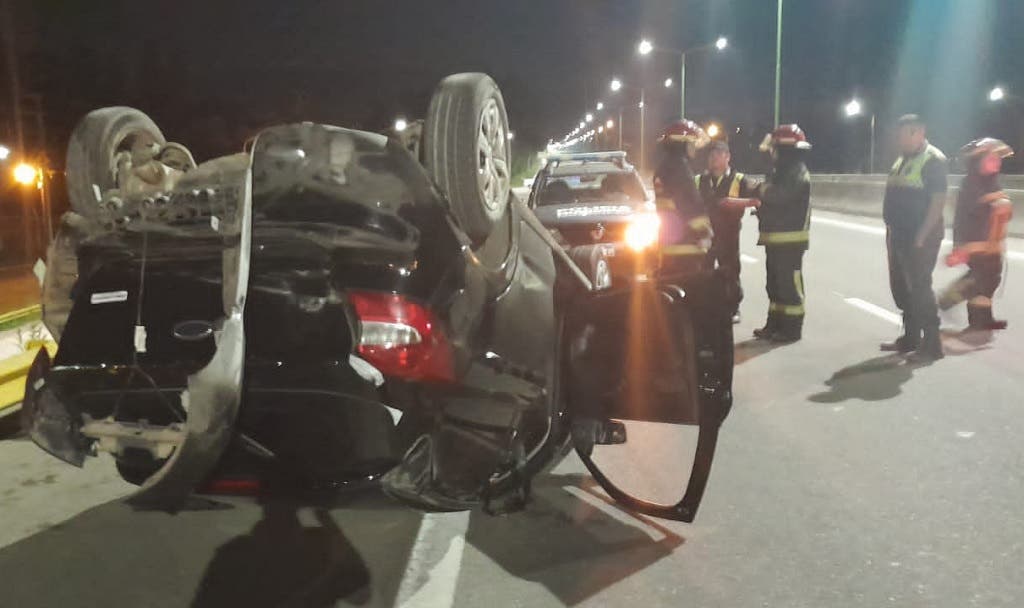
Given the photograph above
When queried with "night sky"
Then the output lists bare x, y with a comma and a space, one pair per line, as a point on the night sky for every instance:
212, 73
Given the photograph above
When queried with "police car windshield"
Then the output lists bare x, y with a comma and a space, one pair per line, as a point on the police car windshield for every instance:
587, 187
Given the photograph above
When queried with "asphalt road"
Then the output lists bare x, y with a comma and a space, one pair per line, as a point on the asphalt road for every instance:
843, 478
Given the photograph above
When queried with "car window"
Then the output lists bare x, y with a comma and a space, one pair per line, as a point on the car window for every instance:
585, 187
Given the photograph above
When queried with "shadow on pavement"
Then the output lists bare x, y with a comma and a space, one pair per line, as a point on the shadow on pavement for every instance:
288, 553
966, 342
572, 548
753, 348
875, 379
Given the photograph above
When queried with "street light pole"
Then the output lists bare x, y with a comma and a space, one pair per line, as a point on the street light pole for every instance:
871, 157
778, 61
682, 85
643, 114
620, 127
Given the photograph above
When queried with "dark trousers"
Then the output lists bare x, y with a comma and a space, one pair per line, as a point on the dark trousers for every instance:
784, 264
724, 258
910, 277
977, 287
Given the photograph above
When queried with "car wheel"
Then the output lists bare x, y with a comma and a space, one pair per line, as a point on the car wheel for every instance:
467, 153
95, 144
593, 261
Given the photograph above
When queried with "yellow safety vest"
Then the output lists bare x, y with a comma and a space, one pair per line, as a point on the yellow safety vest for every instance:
909, 172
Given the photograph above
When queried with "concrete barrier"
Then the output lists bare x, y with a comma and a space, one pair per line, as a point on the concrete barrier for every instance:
862, 195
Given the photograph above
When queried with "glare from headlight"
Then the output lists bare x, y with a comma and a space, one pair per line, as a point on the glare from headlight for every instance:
642, 231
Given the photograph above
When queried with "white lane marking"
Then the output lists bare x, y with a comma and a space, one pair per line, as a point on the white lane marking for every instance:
1017, 256
429, 582
965, 434
876, 310
616, 514
748, 259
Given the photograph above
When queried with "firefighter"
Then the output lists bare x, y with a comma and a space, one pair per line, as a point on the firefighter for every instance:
979, 233
915, 194
726, 194
784, 220
685, 226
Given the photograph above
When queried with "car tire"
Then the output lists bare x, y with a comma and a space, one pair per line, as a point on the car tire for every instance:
595, 263
466, 151
92, 151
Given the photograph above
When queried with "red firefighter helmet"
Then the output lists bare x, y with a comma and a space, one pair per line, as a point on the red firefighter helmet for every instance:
786, 136
683, 131
986, 145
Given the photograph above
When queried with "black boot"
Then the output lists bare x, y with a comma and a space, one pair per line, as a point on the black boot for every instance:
980, 318
930, 348
904, 344
907, 343
766, 332
788, 330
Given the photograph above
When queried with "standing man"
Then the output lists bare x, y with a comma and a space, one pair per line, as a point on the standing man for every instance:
726, 195
685, 226
784, 219
915, 194
979, 233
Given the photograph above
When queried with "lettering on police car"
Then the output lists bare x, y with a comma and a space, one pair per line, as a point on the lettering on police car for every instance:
595, 210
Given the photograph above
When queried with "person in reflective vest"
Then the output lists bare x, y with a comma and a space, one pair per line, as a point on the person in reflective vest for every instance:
784, 221
726, 194
915, 194
685, 226
979, 233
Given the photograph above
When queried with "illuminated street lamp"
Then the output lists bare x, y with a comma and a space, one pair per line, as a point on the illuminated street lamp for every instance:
400, 125
668, 83
589, 117
713, 130
28, 175
610, 124
646, 47
600, 106
616, 85
997, 94
853, 108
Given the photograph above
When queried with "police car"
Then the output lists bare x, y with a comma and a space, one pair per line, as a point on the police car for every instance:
596, 198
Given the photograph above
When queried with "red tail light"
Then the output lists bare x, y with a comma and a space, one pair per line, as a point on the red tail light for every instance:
402, 338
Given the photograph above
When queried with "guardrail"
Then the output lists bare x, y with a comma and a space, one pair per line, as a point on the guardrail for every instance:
862, 195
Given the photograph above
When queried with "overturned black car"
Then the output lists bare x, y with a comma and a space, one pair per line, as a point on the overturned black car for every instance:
329, 309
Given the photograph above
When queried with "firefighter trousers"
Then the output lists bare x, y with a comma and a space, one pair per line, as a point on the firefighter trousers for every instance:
785, 283
910, 278
977, 287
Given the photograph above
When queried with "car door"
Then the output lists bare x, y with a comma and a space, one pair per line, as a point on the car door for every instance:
650, 374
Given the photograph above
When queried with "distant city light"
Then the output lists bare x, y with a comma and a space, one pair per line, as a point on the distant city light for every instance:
610, 124
600, 129
5, 152
853, 108
721, 43
996, 94
400, 125
589, 117
640, 105
713, 130
645, 47
582, 125
616, 84
600, 106
668, 82
511, 136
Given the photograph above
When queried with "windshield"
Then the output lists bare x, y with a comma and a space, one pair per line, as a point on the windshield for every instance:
590, 187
